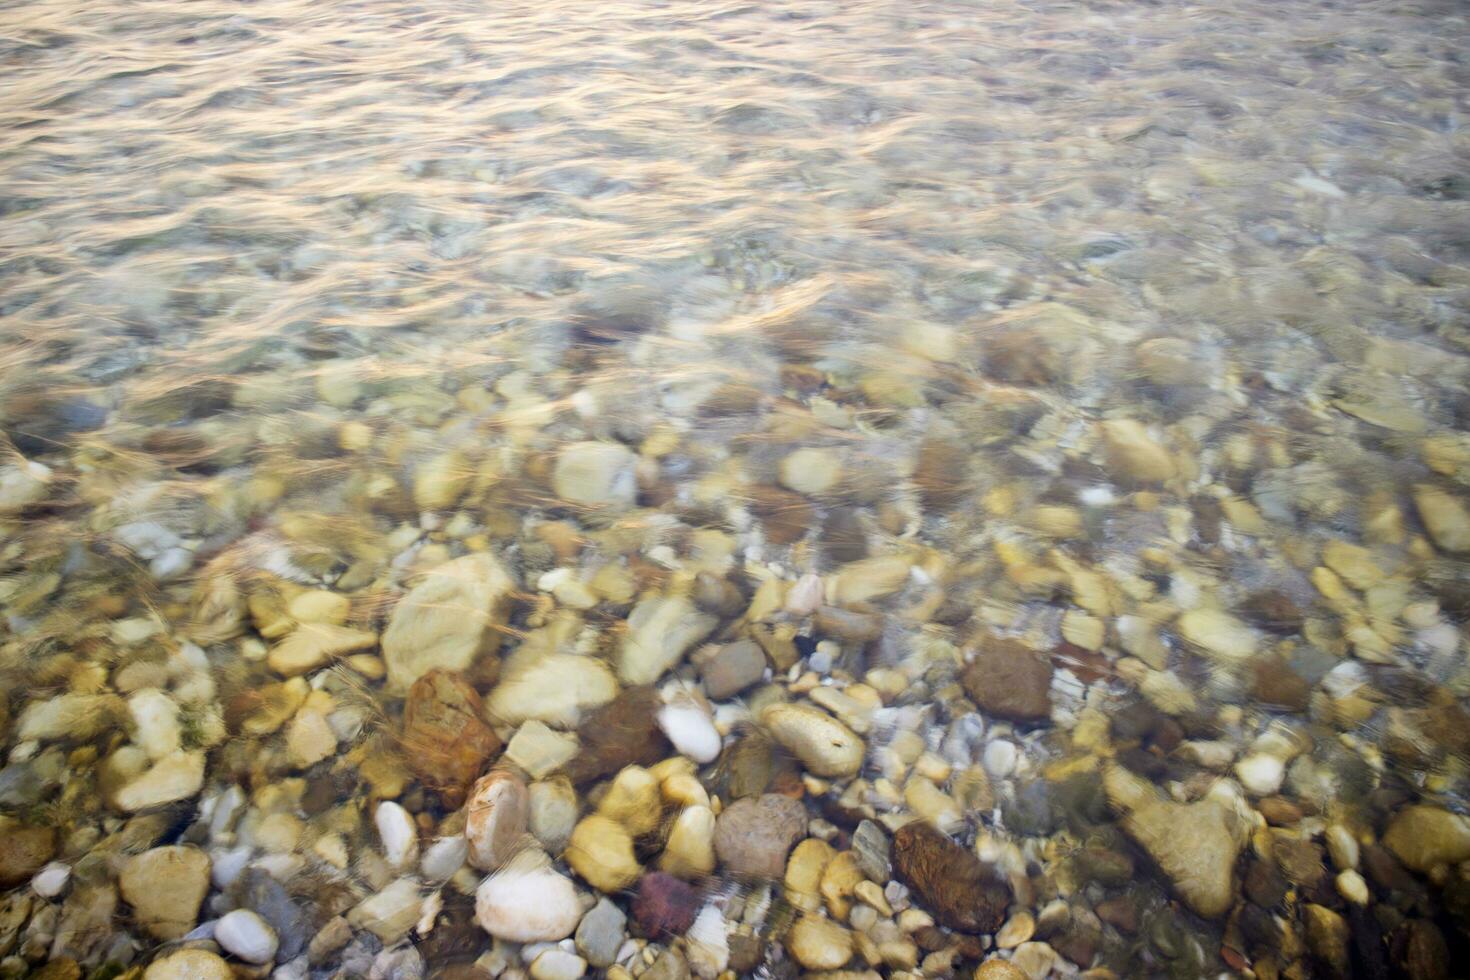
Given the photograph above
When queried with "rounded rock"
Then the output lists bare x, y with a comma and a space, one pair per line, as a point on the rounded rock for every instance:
189, 964
825, 746
498, 811
244, 934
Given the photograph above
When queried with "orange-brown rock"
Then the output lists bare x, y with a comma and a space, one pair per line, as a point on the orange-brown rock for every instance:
1009, 680
953, 884
445, 738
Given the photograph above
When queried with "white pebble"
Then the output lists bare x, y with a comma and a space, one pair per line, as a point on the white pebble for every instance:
399, 835
51, 880
1000, 758
444, 857
691, 730
1351, 886
1260, 774
246, 935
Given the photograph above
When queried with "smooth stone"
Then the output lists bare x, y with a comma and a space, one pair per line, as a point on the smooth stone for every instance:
441, 480
447, 743
601, 852
246, 935
818, 943
1195, 844
825, 746
553, 813
73, 716
557, 689
1218, 635
622, 733
1424, 836
707, 943
1260, 774
443, 857
664, 906
176, 777
189, 964
320, 606
539, 750
497, 815
526, 901
954, 885
398, 834
690, 851
661, 629
156, 725
999, 969
596, 474
1134, 456
51, 880
753, 836
313, 645
451, 618
309, 739
633, 800
1445, 517
1007, 679
733, 668
558, 964
391, 913
268, 898
601, 932
803, 878
165, 886
691, 730
868, 579
23, 852
811, 471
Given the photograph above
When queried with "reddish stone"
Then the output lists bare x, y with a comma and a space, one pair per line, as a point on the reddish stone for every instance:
1009, 680
952, 883
664, 906
623, 732
446, 741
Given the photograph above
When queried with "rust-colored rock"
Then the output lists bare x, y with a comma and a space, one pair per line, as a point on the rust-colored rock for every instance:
785, 516
664, 906
941, 474
23, 852
952, 883
621, 733
446, 741
1009, 680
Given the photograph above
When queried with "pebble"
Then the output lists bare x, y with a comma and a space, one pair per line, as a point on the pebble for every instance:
953, 884
1009, 680
596, 474
309, 739
1342, 846
601, 852
311, 646
539, 751
1352, 886
246, 935
996, 968
189, 964
553, 813
661, 629
825, 746
1194, 844
601, 932
733, 668
690, 729
634, 800
819, 944
999, 758
690, 851
804, 870
1445, 517
1260, 774
1134, 456
1423, 836
390, 913
558, 964
1218, 635
811, 471
447, 621
495, 818
557, 689
707, 943
1018, 929
753, 836
51, 880
664, 906
446, 739
398, 834
23, 852
166, 886
526, 901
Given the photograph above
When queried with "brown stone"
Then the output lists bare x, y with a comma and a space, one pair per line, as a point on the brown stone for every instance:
1280, 812
785, 516
23, 852
621, 733
1274, 611
1274, 682
952, 883
60, 968
1120, 912
1301, 861
753, 836
941, 474
1009, 680
446, 741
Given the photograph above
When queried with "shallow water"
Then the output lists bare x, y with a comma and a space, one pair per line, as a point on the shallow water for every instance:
1068, 397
